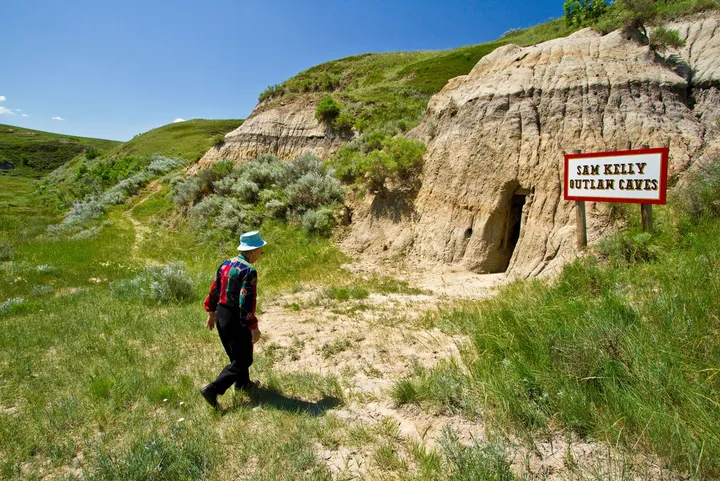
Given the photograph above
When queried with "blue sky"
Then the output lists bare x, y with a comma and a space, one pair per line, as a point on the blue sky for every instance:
115, 69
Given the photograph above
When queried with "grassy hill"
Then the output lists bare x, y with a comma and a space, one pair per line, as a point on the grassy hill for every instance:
85, 174
386, 88
188, 140
33, 152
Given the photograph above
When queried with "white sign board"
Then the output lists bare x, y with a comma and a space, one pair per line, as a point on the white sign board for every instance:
634, 176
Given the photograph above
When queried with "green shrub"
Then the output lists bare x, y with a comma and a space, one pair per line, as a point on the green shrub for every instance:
661, 38
7, 252
399, 160
699, 196
476, 461
343, 123
187, 192
327, 109
319, 221
221, 168
313, 190
91, 153
158, 284
271, 92
581, 13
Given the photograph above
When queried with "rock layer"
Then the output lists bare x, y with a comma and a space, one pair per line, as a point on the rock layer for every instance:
497, 137
285, 129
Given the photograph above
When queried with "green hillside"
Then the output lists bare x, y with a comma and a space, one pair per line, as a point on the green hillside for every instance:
188, 140
385, 88
89, 174
33, 152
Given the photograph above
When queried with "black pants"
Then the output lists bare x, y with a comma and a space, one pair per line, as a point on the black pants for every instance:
237, 341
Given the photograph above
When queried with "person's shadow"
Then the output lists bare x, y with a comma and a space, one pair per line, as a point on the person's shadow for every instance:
272, 398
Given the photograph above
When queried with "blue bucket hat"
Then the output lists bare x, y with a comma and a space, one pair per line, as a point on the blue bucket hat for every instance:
250, 241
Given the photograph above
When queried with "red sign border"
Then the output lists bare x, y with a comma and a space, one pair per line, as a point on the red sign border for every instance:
664, 155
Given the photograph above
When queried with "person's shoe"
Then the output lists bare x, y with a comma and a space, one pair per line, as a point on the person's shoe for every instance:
250, 386
210, 396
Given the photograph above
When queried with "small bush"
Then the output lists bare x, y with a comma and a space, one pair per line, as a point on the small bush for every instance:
158, 284
91, 153
320, 221
7, 252
343, 123
661, 38
581, 13
327, 109
245, 190
699, 195
276, 208
313, 190
303, 164
11, 305
628, 247
400, 160
187, 192
222, 168
233, 217
271, 92
202, 213
478, 461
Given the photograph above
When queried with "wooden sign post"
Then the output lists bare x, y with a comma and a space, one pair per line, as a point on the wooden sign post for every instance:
629, 176
580, 222
646, 210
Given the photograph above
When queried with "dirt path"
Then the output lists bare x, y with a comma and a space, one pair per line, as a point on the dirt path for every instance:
141, 231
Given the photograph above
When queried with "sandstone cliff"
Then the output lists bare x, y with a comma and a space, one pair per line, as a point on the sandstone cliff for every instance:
497, 136
286, 129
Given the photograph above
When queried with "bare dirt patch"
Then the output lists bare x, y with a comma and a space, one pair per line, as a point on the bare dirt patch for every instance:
372, 343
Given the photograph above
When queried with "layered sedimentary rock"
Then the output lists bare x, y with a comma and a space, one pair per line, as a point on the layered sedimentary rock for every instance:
285, 129
491, 197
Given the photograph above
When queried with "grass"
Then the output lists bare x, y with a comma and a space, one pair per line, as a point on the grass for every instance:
188, 140
34, 152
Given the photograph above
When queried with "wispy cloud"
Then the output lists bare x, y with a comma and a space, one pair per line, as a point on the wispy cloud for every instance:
24, 115
2, 98
178, 120
58, 118
5, 111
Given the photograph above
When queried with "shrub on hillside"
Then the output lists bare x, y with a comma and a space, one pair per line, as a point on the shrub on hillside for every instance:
661, 38
313, 190
271, 92
186, 192
699, 195
581, 13
303, 164
319, 221
327, 109
399, 160
158, 284
7, 252
343, 123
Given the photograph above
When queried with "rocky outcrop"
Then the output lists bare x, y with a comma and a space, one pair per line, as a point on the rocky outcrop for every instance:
491, 196
286, 129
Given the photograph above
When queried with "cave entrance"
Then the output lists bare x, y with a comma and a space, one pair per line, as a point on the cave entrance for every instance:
512, 226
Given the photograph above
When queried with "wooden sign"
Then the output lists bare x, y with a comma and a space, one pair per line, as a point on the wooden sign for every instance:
630, 176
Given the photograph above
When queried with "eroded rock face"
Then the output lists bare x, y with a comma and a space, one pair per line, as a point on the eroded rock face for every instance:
285, 129
497, 137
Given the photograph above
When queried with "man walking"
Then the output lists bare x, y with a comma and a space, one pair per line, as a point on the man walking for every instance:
231, 307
